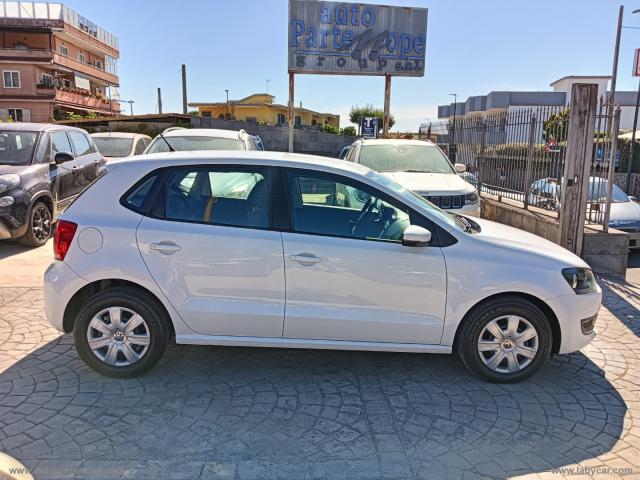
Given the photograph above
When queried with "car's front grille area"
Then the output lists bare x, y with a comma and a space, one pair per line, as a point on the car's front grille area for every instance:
446, 201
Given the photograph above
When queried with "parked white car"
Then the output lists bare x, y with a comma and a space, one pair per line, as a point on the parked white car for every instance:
193, 139
625, 210
422, 167
114, 145
269, 249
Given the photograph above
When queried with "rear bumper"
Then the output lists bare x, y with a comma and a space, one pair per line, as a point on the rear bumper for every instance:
571, 310
60, 285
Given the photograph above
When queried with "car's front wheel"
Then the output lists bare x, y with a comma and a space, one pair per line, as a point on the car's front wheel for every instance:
39, 228
506, 339
121, 332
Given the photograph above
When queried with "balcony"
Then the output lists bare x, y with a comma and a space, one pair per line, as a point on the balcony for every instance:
85, 68
83, 100
26, 55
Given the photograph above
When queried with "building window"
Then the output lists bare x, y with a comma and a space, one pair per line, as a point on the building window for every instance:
298, 120
82, 58
11, 79
15, 114
46, 80
281, 119
63, 50
252, 119
98, 64
206, 114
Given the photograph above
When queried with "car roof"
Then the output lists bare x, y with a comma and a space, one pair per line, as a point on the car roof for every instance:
293, 160
204, 132
396, 141
36, 127
118, 135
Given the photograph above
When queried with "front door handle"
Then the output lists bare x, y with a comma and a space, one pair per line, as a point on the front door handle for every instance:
168, 248
304, 259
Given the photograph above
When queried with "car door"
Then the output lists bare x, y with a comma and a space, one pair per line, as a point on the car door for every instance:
349, 277
212, 253
88, 158
65, 181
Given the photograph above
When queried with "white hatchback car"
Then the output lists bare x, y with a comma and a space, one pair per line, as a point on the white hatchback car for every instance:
180, 139
114, 145
282, 250
422, 167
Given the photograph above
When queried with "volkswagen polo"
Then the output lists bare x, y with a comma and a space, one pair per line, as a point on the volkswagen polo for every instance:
280, 250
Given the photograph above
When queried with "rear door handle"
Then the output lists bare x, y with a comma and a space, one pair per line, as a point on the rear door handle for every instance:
168, 248
304, 259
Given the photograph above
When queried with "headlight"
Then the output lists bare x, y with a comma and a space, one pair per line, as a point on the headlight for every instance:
471, 198
9, 181
580, 279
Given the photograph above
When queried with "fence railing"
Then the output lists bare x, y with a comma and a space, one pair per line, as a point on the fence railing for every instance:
519, 155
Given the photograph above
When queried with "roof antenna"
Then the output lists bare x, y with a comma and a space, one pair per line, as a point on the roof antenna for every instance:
171, 149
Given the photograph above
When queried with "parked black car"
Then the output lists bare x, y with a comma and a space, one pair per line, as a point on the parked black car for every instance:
43, 168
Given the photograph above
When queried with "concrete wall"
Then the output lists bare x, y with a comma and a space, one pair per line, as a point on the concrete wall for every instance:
606, 253
275, 138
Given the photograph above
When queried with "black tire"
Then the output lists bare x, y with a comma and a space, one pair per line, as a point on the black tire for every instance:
157, 325
40, 226
476, 321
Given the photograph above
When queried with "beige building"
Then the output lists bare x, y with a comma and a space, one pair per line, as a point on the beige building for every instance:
260, 107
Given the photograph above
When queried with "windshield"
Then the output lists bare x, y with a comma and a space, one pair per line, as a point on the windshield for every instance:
114, 146
16, 148
598, 192
404, 158
189, 143
416, 201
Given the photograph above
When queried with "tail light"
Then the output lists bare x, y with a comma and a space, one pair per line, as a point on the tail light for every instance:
62, 238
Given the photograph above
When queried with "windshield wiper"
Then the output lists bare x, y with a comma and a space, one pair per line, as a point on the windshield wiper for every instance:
465, 223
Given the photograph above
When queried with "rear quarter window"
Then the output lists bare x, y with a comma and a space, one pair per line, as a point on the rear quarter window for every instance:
136, 198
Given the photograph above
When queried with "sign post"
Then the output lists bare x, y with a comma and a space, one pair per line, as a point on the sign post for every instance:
337, 38
370, 127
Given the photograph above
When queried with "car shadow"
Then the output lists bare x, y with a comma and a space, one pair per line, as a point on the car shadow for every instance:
10, 248
623, 298
302, 413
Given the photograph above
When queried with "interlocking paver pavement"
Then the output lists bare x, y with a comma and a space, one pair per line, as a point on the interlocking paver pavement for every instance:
239, 413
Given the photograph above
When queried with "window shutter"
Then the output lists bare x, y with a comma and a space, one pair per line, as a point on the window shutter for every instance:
26, 115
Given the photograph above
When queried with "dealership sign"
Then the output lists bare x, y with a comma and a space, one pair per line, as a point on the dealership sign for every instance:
356, 39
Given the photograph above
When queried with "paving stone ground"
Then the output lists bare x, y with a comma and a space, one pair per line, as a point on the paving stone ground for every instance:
248, 413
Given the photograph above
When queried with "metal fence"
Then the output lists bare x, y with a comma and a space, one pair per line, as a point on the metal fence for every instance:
518, 156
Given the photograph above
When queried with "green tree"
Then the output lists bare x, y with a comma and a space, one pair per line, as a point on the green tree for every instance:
349, 131
358, 113
330, 129
555, 127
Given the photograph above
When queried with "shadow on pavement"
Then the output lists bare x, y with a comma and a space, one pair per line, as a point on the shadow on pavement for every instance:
214, 411
623, 300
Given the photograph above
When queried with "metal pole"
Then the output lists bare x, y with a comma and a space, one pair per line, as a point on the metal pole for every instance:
612, 168
291, 110
483, 148
387, 105
529, 166
228, 113
632, 154
452, 143
616, 51
159, 101
184, 89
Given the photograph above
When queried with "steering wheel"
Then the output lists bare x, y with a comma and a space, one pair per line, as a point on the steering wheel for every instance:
367, 209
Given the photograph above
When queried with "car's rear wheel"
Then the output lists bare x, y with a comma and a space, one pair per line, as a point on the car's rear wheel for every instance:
506, 339
39, 228
121, 332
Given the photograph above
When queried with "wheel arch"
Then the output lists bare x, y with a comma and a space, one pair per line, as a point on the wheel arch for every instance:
541, 304
87, 291
46, 198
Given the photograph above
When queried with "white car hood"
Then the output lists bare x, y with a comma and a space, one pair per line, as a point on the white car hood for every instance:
625, 214
520, 241
431, 183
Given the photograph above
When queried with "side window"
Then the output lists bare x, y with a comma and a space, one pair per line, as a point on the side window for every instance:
140, 146
342, 207
135, 198
43, 149
80, 143
60, 143
221, 196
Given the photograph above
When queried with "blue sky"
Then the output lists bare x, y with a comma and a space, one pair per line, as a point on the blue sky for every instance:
473, 47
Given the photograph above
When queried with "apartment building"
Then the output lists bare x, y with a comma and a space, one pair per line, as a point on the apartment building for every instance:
55, 62
261, 108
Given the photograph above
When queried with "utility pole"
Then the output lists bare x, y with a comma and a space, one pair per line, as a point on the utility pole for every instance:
387, 106
184, 89
228, 113
616, 51
130, 102
159, 101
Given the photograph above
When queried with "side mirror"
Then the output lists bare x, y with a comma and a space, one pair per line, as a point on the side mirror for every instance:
634, 199
415, 236
460, 167
62, 157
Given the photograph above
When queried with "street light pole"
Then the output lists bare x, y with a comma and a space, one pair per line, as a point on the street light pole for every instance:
452, 147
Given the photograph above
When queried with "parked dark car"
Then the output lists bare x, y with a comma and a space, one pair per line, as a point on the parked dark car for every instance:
43, 168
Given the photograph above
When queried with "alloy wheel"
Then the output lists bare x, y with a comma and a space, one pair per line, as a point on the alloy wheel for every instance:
118, 336
41, 223
508, 344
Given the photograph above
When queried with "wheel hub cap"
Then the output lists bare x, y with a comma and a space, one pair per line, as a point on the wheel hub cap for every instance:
118, 336
508, 344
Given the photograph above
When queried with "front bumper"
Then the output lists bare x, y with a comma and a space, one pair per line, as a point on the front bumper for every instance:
60, 285
571, 310
13, 218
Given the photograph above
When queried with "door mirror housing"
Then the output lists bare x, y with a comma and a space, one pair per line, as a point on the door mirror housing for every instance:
460, 167
62, 157
415, 236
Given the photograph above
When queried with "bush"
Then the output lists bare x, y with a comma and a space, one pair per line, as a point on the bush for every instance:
349, 131
330, 129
